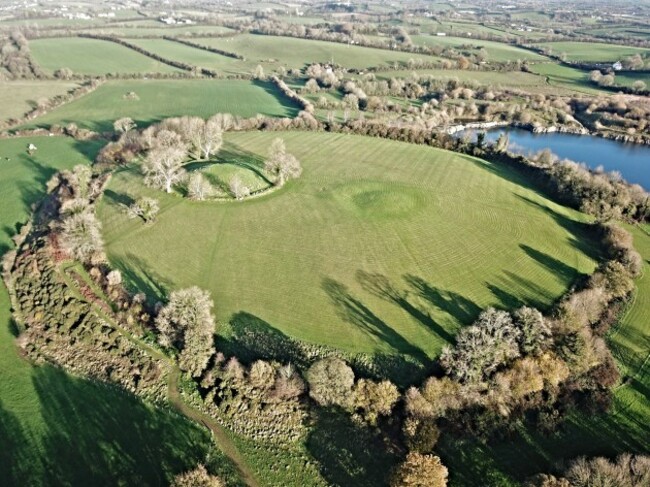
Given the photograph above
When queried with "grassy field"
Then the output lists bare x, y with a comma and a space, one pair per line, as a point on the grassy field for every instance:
197, 57
497, 51
566, 77
19, 97
160, 99
56, 429
91, 56
592, 52
379, 246
272, 52
624, 429
161, 31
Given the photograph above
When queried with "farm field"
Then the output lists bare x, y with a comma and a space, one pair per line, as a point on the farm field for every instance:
623, 429
185, 30
19, 97
191, 55
323, 259
497, 51
158, 99
272, 52
566, 77
592, 52
91, 56
55, 428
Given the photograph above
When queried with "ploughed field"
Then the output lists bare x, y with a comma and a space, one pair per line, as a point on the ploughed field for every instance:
56, 429
158, 99
380, 246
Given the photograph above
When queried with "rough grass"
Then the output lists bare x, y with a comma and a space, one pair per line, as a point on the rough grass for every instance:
593, 52
497, 51
272, 52
380, 246
56, 429
19, 97
92, 56
159, 99
624, 429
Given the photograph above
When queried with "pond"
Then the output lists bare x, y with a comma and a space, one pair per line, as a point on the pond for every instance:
631, 160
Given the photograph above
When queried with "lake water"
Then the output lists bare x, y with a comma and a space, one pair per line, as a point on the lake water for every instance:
631, 160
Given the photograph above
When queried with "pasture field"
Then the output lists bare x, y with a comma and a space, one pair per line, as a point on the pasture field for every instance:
191, 55
497, 51
593, 52
628, 79
57, 429
461, 27
92, 56
380, 246
566, 77
623, 429
185, 30
158, 99
272, 52
19, 97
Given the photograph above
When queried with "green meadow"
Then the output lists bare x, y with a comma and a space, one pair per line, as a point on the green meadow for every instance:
593, 52
380, 246
92, 56
496, 51
158, 99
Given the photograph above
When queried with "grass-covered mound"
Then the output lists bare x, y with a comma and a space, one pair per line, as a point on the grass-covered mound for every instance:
379, 246
57, 429
91, 56
158, 99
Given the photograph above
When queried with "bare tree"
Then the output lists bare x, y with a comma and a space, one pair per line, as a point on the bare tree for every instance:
238, 188
420, 471
123, 125
330, 382
145, 208
81, 237
186, 323
281, 164
163, 167
198, 188
197, 477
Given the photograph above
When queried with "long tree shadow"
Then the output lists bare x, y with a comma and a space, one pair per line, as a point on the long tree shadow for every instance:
100, 435
452, 303
118, 199
141, 278
583, 235
557, 267
380, 286
349, 453
291, 107
355, 312
252, 338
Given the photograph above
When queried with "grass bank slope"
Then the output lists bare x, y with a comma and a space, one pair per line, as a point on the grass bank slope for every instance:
379, 247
